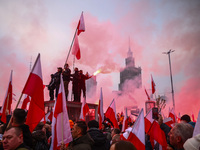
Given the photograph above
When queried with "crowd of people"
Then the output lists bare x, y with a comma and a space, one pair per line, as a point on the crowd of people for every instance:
78, 82
88, 136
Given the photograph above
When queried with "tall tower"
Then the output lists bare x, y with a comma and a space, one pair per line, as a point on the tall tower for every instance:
130, 76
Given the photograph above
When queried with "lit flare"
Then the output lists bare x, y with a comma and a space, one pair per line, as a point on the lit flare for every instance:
97, 72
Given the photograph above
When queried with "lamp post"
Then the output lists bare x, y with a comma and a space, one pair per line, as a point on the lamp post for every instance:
168, 53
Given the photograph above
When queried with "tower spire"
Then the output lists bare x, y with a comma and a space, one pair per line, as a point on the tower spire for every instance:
130, 53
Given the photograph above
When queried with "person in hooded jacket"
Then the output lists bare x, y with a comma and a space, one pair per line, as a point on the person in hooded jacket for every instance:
100, 140
39, 137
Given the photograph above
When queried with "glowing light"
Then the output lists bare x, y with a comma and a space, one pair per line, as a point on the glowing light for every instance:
97, 72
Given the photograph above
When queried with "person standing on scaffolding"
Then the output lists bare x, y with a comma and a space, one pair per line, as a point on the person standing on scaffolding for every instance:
57, 79
51, 87
66, 79
82, 82
76, 85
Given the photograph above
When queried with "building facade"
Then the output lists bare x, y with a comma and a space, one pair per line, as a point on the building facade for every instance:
130, 76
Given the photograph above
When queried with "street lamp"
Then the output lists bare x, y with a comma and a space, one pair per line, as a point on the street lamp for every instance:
168, 53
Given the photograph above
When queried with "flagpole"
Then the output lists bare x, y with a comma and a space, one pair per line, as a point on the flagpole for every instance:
72, 41
62, 126
73, 70
71, 45
15, 108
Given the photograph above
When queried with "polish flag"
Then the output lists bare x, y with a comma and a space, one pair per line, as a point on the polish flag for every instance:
157, 134
153, 85
34, 89
49, 116
81, 24
197, 126
76, 49
172, 115
147, 94
25, 102
100, 110
61, 131
193, 117
148, 121
111, 114
168, 121
84, 109
6, 107
125, 121
137, 135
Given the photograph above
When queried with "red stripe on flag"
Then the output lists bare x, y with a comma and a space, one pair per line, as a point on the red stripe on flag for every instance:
111, 115
136, 142
34, 88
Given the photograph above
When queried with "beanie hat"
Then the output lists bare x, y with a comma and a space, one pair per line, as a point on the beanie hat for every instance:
192, 143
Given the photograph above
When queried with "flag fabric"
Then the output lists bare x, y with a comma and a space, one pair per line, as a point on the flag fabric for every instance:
147, 94
76, 49
137, 135
111, 114
61, 131
172, 115
34, 89
148, 120
6, 107
168, 121
153, 85
81, 24
193, 117
157, 134
125, 121
25, 102
100, 110
179, 117
84, 109
49, 116
197, 126
125, 135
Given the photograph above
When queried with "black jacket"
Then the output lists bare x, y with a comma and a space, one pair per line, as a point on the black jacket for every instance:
84, 142
100, 140
27, 136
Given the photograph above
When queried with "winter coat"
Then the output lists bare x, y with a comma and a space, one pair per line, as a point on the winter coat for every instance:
84, 142
40, 140
100, 140
27, 136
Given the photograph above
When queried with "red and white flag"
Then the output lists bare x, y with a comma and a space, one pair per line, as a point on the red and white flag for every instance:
6, 107
49, 116
193, 117
148, 121
179, 117
61, 131
172, 115
153, 85
76, 49
137, 135
125, 121
147, 94
197, 126
157, 134
100, 110
81, 24
111, 114
84, 109
25, 102
34, 89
